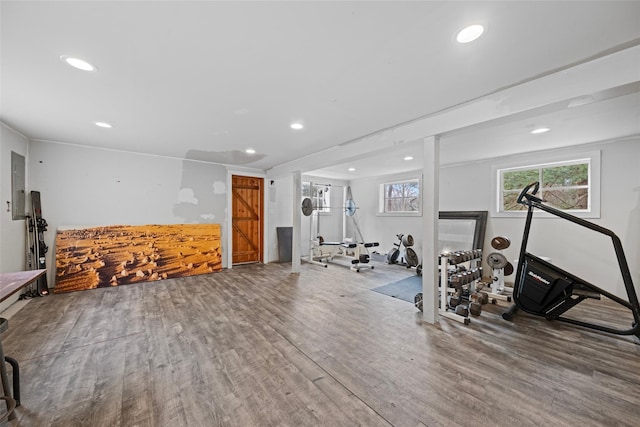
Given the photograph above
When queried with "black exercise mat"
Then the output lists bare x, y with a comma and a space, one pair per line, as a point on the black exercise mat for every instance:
405, 289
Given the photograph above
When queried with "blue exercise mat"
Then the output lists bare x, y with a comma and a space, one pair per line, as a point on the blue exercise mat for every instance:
405, 289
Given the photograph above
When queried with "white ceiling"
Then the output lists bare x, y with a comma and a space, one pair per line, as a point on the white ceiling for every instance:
206, 80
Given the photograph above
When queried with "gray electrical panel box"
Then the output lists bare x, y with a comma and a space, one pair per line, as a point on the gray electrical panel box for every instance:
17, 186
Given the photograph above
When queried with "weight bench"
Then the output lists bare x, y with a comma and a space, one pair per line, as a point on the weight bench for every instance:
327, 251
360, 254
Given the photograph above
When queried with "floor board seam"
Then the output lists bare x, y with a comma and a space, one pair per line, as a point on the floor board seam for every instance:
80, 346
336, 380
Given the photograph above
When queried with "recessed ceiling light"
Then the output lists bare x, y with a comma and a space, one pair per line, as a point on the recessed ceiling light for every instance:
470, 33
103, 125
408, 158
297, 126
352, 169
250, 151
540, 130
78, 63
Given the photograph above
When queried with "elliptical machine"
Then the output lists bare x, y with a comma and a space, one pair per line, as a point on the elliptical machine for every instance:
545, 290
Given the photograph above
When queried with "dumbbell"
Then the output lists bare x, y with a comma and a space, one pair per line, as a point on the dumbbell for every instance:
479, 297
418, 301
485, 297
454, 258
462, 310
454, 280
455, 299
470, 255
475, 308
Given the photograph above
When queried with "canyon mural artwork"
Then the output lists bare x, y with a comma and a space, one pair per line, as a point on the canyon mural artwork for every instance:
98, 257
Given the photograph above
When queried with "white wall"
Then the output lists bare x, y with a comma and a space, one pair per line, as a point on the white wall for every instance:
379, 228
329, 225
13, 241
279, 211
469, 187
12, 244
82, 186
582, 252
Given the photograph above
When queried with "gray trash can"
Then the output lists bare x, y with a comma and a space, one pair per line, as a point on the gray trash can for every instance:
285, 243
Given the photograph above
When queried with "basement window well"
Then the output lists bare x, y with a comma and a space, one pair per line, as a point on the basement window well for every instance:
400, 198
571, 185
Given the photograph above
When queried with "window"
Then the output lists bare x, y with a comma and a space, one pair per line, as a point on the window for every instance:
400, 197
565, 185
319, 195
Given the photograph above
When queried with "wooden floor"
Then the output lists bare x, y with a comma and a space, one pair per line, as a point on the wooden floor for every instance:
259, 346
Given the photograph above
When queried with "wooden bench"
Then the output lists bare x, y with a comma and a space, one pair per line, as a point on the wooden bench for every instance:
10, 283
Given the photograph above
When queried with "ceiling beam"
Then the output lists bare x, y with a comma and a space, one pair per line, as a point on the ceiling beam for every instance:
601, 74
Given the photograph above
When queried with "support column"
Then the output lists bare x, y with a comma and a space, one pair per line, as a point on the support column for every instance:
297, 222
430, 213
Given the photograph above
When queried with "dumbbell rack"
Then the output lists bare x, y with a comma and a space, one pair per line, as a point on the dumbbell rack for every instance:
447, 279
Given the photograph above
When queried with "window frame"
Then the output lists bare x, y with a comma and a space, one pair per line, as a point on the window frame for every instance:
326, 205
382, 198
592, 158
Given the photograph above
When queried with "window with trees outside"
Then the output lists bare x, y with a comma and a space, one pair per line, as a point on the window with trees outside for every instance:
400, 197
565, 185
319, 195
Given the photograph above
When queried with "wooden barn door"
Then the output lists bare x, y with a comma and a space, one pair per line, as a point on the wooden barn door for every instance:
247, 225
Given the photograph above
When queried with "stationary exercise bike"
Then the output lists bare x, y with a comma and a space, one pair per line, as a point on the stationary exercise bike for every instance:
402, 253
545, 290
